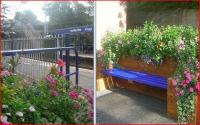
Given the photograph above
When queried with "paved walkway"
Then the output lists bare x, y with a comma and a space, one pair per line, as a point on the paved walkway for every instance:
39, 69
124, 106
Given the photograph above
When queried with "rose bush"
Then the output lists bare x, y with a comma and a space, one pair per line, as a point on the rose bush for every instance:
52, 100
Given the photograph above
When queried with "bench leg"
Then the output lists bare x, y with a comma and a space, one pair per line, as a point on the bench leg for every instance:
171, 100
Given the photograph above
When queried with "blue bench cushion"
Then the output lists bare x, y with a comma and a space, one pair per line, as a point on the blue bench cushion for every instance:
139, 77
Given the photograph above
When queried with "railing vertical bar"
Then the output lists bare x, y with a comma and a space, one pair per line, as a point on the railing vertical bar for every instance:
61, 57
67, 63
77, 70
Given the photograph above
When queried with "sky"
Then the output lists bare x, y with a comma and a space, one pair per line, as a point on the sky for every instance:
35, 6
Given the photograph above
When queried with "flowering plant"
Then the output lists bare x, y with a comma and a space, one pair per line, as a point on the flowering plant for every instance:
50, 101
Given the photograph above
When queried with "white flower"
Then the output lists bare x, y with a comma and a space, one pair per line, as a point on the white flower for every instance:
8, 114
20, 114
4, 119
31, 109
5, 106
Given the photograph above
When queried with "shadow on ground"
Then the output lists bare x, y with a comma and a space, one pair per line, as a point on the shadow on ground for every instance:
124, 106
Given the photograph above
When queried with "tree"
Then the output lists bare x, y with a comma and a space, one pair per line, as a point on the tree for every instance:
68, 14
26, 21
7, 24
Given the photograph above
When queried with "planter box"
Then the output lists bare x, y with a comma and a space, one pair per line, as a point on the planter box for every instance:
166, 69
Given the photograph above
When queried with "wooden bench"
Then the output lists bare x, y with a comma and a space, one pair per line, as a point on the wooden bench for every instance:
139, 77
150, 84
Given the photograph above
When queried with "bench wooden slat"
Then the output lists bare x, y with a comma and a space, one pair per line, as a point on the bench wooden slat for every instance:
139, 77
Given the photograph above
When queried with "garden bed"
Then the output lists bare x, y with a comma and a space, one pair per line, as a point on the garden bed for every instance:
52, 100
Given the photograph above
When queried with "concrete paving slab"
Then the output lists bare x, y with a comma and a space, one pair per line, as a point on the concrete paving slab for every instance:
124, 106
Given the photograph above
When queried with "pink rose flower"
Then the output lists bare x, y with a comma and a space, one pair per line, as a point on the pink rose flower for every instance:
177, 94
74, 95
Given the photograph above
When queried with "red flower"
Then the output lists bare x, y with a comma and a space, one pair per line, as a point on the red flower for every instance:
60, 62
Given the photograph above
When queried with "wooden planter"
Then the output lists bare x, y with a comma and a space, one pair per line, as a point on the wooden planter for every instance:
166, 69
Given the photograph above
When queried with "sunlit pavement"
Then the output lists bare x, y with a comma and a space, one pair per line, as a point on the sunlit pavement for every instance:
124, 106
38, 69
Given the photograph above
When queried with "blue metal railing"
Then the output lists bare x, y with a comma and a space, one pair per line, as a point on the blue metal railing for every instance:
60, 49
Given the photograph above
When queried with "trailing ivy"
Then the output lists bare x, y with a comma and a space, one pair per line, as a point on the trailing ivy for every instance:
153, 44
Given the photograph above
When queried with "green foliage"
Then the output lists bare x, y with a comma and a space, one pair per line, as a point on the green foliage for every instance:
153, 44
188, 5
68, 14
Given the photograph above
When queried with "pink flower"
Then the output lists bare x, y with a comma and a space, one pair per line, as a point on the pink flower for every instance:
191, 90
174, 82
198, 87
188, 76
187, 81
55, 81
76, 106
182, 92
177, 94
89, 94
5, 73
183, 83
90, 115
54, 93
49, 78
61, 73
74, 95
60, 62
176, 89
